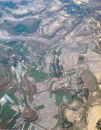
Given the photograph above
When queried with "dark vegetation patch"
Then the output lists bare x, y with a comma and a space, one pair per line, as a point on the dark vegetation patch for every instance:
8, 4
26, 26
23, 2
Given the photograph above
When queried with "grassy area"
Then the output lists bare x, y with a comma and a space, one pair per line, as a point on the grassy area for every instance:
56, 116
7, 112
34, 64
51, 84
10, 74
38, 75
10, 125
50, 87
58, 53
24, 100
25, 50
8, 4
2, 50
56, 69
27, 124
24, 28
15, 78
20, 28
1, 95
39, 107
0, 14
59, 98
35, 26
1, 74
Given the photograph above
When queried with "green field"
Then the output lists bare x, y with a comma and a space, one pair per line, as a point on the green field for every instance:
1, 74
38, 75
59, 98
